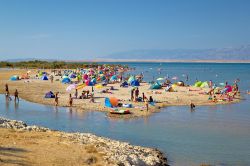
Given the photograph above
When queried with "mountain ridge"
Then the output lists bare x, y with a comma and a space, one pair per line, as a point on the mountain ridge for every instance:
227, 53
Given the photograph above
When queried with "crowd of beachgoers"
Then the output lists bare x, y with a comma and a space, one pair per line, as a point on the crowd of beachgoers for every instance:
112, 89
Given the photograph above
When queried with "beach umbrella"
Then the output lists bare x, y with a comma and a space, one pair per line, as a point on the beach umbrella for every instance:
99, 86
72, 75
229, 88
113, 78
85, 76
222, 84
174, 86
174, 78
160, 79
64, 77
80, 86
71, 87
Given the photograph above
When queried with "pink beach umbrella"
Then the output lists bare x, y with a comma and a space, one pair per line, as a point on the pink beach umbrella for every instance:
85, 76
71, 87
229, 88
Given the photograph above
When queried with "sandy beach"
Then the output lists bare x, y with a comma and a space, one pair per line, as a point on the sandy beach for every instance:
35, 89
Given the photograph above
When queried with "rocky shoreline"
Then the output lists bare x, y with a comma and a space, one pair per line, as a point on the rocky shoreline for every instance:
120, 153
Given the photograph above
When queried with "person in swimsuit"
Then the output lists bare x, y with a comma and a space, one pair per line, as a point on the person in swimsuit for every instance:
16, 96
70, 100
56, 99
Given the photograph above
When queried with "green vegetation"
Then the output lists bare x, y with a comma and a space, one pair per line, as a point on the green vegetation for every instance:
46, 65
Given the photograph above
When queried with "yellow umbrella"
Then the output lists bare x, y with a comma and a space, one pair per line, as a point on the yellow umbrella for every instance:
99, 86
80, 86
174, 86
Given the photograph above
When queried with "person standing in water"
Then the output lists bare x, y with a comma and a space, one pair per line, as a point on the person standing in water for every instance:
7, 88
192, 106
7, 95
16, 96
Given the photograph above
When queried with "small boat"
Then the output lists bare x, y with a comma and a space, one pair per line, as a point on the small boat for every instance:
119, 112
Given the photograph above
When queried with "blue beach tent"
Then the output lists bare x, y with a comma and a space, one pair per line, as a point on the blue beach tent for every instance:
14, 78
66, 80
49, 95
135, 83
44, 77
107, 102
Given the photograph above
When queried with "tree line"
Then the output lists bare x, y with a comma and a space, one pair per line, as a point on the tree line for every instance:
46, 64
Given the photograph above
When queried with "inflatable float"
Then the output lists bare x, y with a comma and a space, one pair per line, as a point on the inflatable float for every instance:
119, 112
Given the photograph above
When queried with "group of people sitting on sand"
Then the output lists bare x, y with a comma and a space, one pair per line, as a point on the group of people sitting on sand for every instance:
227, 93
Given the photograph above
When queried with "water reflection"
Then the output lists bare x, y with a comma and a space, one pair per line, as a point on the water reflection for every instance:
7, 104
16, 105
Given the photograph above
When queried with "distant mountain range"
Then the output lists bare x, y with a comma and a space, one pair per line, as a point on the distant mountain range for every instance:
29, 59
233, 53
241, 53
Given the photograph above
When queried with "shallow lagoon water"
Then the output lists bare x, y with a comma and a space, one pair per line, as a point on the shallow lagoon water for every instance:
211, 134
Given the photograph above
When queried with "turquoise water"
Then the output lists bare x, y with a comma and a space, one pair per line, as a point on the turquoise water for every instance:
212, 134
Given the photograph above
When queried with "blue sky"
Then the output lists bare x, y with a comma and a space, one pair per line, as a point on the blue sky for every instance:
79, 29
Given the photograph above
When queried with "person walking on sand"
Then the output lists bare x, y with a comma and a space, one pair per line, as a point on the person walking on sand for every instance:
51, 78
92, 100
70, 100
136, 93
56, 99
16, 96
132, 95
146, 104
87, 94
76, 94
143, 97
210, 84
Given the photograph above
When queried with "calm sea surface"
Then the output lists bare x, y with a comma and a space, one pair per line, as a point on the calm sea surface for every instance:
218, 135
